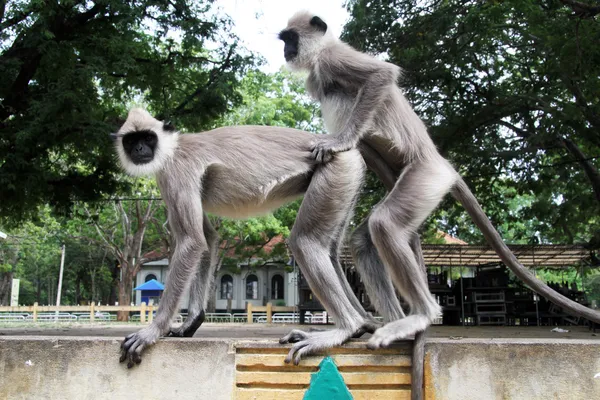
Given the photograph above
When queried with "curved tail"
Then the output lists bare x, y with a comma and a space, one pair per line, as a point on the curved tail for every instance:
462, 193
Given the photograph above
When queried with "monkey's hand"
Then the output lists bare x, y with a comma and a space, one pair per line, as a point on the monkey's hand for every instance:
135, 343
324, 149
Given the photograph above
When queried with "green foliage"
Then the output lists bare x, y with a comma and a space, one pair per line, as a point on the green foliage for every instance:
69, 69
277, 99
510, 92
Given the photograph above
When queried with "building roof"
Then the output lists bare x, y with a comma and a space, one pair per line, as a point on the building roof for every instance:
152, 284
267, 247
449, 239
533, 256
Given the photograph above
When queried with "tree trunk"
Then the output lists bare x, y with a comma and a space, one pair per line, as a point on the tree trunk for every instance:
125, 288
93, 294
49, 291
38, 292
5, 287
211, 304
77, 290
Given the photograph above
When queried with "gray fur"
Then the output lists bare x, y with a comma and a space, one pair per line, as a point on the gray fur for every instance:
360, 101
240, 172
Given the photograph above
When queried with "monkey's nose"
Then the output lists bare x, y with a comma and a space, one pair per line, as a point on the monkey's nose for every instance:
290, 54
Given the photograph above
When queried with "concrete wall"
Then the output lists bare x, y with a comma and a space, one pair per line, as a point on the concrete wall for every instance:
512, 369
88, 368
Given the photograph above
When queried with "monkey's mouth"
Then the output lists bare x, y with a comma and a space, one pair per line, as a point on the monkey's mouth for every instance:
290, 55
142, 160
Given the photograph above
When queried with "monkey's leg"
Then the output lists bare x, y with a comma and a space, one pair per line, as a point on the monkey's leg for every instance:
371, 324
377, 280
190, 243
201, 284
327, 203
392, 224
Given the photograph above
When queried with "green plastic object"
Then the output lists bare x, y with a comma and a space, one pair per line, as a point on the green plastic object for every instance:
327, 383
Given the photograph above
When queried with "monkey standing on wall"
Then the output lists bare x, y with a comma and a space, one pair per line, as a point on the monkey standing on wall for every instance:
360, 101
238, 172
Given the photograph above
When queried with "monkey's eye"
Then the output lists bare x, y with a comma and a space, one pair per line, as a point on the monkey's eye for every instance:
148, 138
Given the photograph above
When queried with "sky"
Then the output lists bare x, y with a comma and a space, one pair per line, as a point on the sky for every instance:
257, 23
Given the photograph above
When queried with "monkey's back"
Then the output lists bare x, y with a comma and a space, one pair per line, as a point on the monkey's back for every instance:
248, 170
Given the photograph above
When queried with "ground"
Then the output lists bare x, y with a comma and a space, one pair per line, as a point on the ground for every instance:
258, 331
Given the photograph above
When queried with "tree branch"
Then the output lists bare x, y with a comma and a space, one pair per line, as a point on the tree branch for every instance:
109, 243
582, 10
214, 74
588, 167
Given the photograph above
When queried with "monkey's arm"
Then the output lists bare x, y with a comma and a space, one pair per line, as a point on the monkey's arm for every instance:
369, 77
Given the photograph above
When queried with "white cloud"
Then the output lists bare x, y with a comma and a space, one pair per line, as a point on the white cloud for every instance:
257, 23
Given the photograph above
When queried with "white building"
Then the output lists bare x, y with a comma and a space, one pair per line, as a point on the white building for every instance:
269, 283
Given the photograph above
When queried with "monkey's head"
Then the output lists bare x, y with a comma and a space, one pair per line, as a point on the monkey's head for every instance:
303, 38
144, 144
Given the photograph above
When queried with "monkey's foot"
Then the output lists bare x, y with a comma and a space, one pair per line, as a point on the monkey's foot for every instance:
297, 335
314, 342
369, 326
396, 330
135, 343
189, 326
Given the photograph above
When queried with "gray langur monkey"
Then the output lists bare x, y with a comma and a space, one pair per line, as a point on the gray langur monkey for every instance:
238, 172
361, 103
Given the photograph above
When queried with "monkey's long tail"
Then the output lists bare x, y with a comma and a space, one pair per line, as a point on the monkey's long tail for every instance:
463, 194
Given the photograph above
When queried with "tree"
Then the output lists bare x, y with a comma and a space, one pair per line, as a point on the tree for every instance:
133, 234
509, 90
32, 254
68, 69
277, 99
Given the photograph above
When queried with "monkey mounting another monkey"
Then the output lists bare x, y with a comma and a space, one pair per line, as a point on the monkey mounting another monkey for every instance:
238, 172
362, 105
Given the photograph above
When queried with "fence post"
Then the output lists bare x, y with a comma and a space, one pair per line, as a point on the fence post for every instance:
92, 316
250, 319
269, 313
150, 312
35, 306
143, 313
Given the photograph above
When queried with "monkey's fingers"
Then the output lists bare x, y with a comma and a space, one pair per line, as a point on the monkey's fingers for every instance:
289, 356
317, 155
135, 355
175, 333
359, 333
294, 336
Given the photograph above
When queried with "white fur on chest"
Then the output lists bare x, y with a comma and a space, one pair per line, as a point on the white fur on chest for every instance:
336, 112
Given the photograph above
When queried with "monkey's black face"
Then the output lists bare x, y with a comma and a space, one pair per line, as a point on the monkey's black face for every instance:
140, 146
291, 39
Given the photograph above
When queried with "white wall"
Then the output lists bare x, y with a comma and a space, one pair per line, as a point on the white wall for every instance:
264, 274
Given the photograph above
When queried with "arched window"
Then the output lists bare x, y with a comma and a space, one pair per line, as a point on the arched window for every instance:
252, 287
277, 287
149, 277
226, 287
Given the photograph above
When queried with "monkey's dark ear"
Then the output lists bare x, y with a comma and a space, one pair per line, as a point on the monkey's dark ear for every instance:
168, 126
318, 23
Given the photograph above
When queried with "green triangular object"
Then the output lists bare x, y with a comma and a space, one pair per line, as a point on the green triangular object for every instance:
327, 383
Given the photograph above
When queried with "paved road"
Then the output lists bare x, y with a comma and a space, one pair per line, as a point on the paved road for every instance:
256, 331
